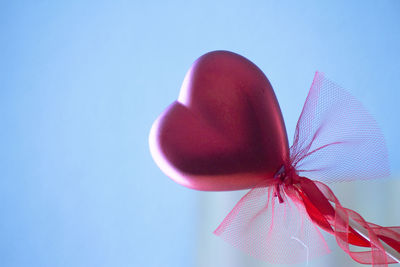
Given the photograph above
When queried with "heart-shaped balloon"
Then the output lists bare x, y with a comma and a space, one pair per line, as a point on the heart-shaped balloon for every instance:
225, 131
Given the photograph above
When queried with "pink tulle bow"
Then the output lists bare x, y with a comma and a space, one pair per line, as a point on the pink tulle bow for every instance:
336, 139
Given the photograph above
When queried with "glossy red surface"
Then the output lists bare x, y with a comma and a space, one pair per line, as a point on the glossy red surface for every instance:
225, 131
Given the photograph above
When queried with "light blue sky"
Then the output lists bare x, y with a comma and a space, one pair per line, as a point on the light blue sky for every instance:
82, 82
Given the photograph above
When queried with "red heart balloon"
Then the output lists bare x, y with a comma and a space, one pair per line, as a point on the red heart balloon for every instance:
225, 131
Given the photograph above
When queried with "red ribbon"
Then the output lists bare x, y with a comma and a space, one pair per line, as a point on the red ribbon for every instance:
278, 221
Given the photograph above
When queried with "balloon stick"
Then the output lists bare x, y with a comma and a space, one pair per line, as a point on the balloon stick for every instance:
391, 252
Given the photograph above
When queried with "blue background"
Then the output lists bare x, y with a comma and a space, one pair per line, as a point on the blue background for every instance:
81, 83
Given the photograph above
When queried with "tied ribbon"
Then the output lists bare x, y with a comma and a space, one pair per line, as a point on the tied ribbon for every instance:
278, 221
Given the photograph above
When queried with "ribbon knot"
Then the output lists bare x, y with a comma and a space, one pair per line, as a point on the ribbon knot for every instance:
286, 176
283, 177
